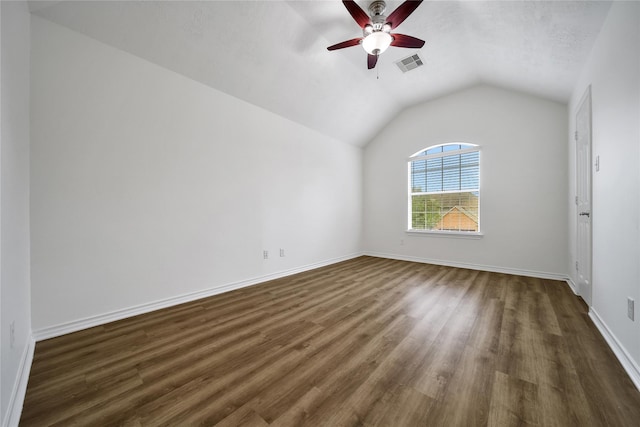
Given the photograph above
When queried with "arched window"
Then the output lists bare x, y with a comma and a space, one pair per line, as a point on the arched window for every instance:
444, 189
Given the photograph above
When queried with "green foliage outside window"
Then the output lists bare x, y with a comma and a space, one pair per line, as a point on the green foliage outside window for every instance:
425, 213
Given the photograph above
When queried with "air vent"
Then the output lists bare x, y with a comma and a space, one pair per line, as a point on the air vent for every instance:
409, 63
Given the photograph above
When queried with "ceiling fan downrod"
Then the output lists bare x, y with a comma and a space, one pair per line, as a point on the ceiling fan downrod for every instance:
377, 7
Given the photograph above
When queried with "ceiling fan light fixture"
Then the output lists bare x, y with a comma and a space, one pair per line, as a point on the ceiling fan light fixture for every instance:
377, 42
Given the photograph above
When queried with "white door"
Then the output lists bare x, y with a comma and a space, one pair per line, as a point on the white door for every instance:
583, 196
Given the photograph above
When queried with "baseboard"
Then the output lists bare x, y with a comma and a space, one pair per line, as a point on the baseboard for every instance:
481, 267
16, 400
572, 285
618, 349
101, 319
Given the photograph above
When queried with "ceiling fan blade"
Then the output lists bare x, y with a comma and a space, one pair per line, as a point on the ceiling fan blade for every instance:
402, 12
348, 43
401, 40
371, 61
357, 13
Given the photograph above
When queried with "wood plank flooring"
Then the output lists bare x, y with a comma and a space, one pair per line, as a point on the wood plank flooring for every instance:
366, 342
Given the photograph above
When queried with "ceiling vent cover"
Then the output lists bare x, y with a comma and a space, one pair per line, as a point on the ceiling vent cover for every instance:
409, 63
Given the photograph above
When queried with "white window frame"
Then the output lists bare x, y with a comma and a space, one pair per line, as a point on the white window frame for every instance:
417, 156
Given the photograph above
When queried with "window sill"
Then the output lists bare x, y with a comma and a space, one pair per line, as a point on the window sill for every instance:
454, 234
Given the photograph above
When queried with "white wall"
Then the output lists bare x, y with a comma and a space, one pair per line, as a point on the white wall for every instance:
523, 207
147, 185
14, 206
613, 71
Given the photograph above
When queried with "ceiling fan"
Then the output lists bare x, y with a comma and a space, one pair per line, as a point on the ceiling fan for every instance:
376, 29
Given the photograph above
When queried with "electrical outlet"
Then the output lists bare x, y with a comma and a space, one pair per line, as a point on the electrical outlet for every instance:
12, 333
265, 254
401, 242
631, 308
281, 253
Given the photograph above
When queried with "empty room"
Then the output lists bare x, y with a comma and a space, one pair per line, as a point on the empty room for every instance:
320, 213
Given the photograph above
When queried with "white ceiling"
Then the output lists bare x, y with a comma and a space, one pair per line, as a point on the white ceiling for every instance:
273, 53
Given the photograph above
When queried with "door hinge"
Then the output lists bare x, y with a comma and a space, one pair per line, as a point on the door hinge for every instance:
576, 265
575, 135
576, 200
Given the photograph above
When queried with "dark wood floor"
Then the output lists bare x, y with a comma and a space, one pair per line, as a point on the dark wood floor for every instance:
364, 342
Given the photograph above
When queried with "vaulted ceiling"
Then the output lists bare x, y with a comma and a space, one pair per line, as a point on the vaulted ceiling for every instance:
273, 53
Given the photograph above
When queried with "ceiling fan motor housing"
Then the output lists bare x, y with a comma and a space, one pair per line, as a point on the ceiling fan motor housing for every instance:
376, 10
377, 7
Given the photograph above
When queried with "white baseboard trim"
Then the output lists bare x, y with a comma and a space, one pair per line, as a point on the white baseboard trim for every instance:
101, 319
16, 400
618, 349
481, 267
572, 285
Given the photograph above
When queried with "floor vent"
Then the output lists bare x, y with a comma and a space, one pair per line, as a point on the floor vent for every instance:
409, 63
